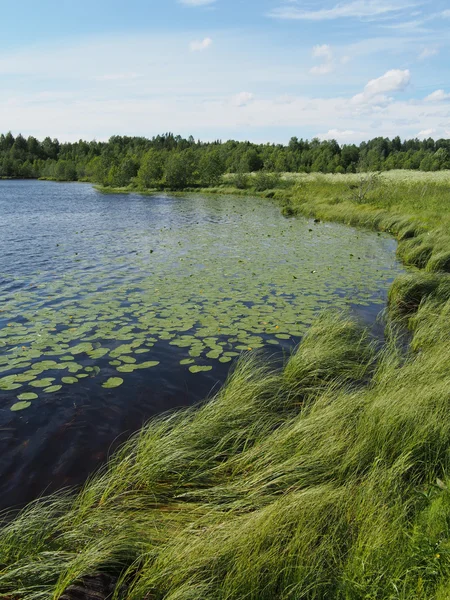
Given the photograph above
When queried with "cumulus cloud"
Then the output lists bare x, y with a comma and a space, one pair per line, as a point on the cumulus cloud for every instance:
200, 45
356, 9
198, 101
242, 99
394, 80
437, 96
325, 53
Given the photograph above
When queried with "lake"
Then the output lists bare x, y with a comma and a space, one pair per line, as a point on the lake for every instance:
114, 308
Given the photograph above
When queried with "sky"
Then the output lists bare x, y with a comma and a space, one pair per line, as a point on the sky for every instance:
259, 70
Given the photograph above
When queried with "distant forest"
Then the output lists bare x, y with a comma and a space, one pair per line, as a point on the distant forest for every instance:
172, 161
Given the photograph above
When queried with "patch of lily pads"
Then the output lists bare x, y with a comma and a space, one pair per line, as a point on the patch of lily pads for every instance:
225, 277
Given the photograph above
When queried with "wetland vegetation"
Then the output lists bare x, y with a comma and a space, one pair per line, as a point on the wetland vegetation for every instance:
327, 478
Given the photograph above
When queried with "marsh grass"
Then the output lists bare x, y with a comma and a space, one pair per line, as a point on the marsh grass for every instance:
326, 479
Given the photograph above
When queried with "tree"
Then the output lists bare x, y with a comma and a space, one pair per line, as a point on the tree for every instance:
177, 171
151, 170
211, 168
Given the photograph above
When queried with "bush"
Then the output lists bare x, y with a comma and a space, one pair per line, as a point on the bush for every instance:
239, 180
263, 181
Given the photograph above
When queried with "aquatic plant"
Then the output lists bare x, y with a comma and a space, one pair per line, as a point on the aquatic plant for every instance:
238, 279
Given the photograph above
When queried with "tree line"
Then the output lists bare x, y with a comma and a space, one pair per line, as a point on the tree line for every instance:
175, 162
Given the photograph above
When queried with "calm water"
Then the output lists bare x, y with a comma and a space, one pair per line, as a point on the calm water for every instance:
148, 290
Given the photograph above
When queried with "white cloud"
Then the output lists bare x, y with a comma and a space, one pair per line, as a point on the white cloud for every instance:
357, 9
323, 51
426, 133
242, 99
428, 53
197, 2
200, 45
394, 80
445, 14
326, 54
323, 69
57, 92
437, 96
343, 136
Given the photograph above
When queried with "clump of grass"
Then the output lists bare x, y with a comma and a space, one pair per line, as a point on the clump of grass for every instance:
335, 350
417, 255
439, 261
409, 291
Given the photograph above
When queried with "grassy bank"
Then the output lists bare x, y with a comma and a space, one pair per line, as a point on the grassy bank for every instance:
326, 479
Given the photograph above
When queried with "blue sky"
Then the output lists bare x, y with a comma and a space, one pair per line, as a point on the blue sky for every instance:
263, 70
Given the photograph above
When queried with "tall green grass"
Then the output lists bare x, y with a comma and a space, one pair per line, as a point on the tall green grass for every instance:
326, 479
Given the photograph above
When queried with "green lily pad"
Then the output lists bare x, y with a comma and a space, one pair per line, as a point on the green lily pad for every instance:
198, 369
52, 389
211, 299
27, 396
113, 382
98, 353
147, 365
126, 368
42, 383
127, 359
20, 406
69, 380
81, 348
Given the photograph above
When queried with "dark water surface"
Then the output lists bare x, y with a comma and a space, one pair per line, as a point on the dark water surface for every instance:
94, 287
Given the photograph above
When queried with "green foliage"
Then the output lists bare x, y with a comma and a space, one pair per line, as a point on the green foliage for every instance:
179, 170
151, 170
211, 168
116, 163
265, 181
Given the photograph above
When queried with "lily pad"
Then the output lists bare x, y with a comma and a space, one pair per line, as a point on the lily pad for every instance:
126, 368
113, 382
27, 396
42, 383
147, 365
69, 380
199, 369
52, 389
20, 406
127, 359
223, 283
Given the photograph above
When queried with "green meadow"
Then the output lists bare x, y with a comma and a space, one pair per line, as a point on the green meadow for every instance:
328, 478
